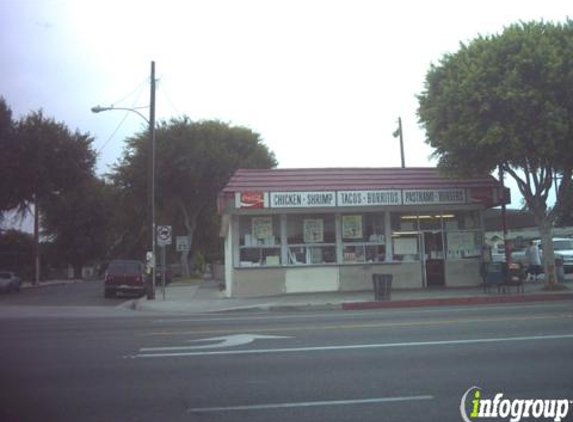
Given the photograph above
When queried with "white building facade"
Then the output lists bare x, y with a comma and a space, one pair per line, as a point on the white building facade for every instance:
311, 230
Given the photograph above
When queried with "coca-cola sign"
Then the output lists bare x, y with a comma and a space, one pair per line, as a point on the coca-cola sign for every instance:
252, 199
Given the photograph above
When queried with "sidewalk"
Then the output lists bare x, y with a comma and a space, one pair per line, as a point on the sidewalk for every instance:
206, 298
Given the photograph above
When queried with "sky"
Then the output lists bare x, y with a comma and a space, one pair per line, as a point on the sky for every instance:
322, 81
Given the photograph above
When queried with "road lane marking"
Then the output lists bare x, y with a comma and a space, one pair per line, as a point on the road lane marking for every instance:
316, 327
310, 404
355, 346
224, 341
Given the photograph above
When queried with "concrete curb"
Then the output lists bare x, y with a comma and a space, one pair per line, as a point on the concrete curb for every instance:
27, 286
203, 306
453, 301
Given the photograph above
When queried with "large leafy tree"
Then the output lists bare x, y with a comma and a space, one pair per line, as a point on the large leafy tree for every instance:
506, 102
48, 160
16, 250
7, 158
77, 220
194, 160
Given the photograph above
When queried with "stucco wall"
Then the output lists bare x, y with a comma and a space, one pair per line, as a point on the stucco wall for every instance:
406, 275
314, 279
463, 273
258, 282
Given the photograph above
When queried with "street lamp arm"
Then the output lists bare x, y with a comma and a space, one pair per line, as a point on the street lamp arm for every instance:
99, 109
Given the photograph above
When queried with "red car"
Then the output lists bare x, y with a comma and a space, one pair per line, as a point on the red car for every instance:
126, 277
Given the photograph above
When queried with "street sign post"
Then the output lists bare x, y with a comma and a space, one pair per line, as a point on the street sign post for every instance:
164, 238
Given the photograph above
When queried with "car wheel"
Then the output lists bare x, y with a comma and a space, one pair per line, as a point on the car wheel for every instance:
108, 293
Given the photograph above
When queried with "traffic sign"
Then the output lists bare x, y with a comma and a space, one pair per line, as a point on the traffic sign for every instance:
163, 235
182, 243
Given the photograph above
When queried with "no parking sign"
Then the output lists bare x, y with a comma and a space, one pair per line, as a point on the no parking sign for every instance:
163, 235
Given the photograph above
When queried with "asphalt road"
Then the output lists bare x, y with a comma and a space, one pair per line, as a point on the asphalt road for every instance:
383, 365
87, 293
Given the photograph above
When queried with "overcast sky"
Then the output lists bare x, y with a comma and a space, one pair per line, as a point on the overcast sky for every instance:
323, 82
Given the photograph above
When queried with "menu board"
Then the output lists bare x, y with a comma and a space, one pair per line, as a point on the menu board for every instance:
262, 227
313, 230
461, 241
406, 246
352, 227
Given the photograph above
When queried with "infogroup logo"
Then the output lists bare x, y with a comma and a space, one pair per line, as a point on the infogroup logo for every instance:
474, 406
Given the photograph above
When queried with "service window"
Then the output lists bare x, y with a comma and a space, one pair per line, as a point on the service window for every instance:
311, 239
363, 237
259, 241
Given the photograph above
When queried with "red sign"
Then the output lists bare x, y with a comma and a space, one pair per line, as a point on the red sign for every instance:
252, 199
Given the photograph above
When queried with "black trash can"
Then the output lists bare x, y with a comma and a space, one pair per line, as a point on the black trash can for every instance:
382, 286
495, 274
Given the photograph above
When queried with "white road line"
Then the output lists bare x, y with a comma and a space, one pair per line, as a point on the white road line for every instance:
232, 340
310, 404
356, 346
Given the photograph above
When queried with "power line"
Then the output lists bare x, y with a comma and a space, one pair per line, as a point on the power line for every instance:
140, 87
168, 98
113, 133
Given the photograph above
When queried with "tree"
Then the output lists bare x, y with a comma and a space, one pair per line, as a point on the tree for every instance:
77, 221
49, 160
16, 252
7, 158
194, 160
506, 101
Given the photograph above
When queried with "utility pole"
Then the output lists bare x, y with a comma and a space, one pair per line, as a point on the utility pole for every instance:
151, 207
504, 220
398, 132
36, 241
151, 245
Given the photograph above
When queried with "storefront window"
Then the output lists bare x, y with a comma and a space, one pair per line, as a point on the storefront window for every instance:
311, 239
363, 237
259, 239
430, 221
404, 222
405, 237
461, 220
463, 236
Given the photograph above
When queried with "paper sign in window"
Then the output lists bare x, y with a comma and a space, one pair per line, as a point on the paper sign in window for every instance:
352, 227
313, 230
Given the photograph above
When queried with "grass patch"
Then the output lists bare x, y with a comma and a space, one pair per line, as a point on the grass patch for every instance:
555, 287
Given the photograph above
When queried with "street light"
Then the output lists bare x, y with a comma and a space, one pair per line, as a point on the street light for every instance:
99, 109
151, 123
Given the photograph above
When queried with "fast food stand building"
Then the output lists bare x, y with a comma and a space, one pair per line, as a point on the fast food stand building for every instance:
315, 230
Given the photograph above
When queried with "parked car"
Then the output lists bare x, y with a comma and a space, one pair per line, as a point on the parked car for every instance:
124, 276
9, 282
563, 250
517, 253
